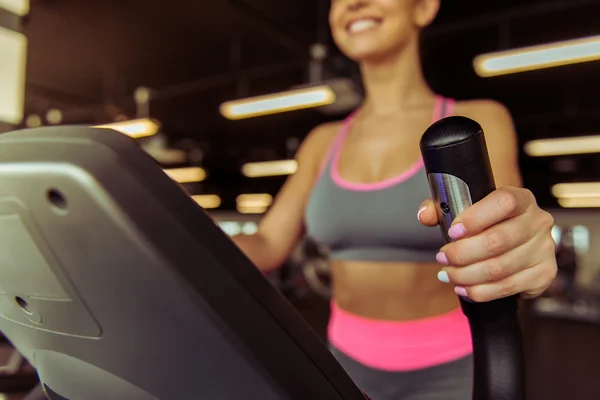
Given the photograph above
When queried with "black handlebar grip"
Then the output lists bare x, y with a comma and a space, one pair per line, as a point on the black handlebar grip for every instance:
458, 169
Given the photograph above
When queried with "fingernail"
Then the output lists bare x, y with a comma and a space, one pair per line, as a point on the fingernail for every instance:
420, 212
443, 277
441, 258
457, 231
461, 291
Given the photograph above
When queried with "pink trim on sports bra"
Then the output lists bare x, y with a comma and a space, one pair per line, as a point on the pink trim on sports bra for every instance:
401, 345
334, 144
336, 151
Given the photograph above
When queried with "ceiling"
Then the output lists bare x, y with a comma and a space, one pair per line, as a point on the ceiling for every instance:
87, 55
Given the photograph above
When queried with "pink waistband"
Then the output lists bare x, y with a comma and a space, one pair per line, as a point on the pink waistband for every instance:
401, 346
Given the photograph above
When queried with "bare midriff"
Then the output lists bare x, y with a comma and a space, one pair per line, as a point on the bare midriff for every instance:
392, 291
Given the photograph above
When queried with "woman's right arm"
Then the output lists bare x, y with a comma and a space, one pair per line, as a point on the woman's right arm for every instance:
283, 225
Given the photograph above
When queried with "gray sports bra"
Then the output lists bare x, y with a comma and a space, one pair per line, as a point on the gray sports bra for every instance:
373, 221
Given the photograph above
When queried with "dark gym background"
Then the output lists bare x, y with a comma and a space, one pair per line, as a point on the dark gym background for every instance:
87, 57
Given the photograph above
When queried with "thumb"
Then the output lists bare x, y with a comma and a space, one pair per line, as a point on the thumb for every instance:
427, 214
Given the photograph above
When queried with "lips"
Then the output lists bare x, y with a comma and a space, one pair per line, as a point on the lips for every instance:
363, 24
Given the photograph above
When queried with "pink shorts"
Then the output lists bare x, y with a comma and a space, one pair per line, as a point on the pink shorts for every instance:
401, 346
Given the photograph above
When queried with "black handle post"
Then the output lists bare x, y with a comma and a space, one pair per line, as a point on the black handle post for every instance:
459, 173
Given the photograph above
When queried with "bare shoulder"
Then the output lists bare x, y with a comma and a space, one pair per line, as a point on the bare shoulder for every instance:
485, 108
485, 111
322, 135
500, 135
318, 141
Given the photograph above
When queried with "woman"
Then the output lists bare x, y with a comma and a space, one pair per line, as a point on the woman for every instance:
396, 326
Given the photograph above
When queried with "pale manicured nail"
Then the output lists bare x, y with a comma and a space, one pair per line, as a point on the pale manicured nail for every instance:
441, 258
420, 212
457, 231
461, 291
443, 277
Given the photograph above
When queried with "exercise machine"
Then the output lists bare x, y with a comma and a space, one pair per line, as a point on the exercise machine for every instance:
114, 284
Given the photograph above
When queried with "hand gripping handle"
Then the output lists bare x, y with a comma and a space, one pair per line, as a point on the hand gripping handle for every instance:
458, 169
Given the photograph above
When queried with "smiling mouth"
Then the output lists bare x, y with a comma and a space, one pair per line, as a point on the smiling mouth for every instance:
363, 25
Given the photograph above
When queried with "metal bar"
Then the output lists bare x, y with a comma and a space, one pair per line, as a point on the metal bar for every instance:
10, 21
266, 25
322, 21
40, 90
236, 59
512, 14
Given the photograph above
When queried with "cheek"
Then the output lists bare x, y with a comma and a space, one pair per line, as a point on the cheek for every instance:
334, 19
397, 28
337, 30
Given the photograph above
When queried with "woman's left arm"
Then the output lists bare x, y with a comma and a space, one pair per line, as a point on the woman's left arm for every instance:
503, 243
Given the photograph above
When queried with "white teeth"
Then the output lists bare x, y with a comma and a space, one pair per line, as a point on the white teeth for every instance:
362, 25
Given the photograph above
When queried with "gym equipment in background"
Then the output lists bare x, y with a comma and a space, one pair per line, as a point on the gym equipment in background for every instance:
459, 173
114, 284
574, 294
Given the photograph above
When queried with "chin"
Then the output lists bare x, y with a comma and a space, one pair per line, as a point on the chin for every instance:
368, 54
375, 48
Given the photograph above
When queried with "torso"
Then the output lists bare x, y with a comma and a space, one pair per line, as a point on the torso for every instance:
367, 195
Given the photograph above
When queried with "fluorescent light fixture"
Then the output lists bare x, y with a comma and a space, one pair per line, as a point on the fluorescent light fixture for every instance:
255, 200
538, 57
135, 128
556, 233
207, 200
256, 203
563, 146
18, 7
13, 51
251, 210
269, 168
576, 190
579, 202
278, 102
187, 174
577, 194
233, 228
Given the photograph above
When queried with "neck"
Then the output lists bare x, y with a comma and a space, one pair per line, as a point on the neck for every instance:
395, 83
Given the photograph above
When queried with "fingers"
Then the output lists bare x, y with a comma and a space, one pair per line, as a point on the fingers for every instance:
502, 246
493, 242
498, 206
497, 268
427, 213
501, 204
505, 275
530, 282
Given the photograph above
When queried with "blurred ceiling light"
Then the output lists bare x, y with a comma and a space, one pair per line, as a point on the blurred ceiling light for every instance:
135, 128
33, 121
269, 168
563, 146
579, 202
576, 190
291, 100
54, 116
538, 57
187, 174
251, 209
18, 7
254, 200
13, 48
207, 200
